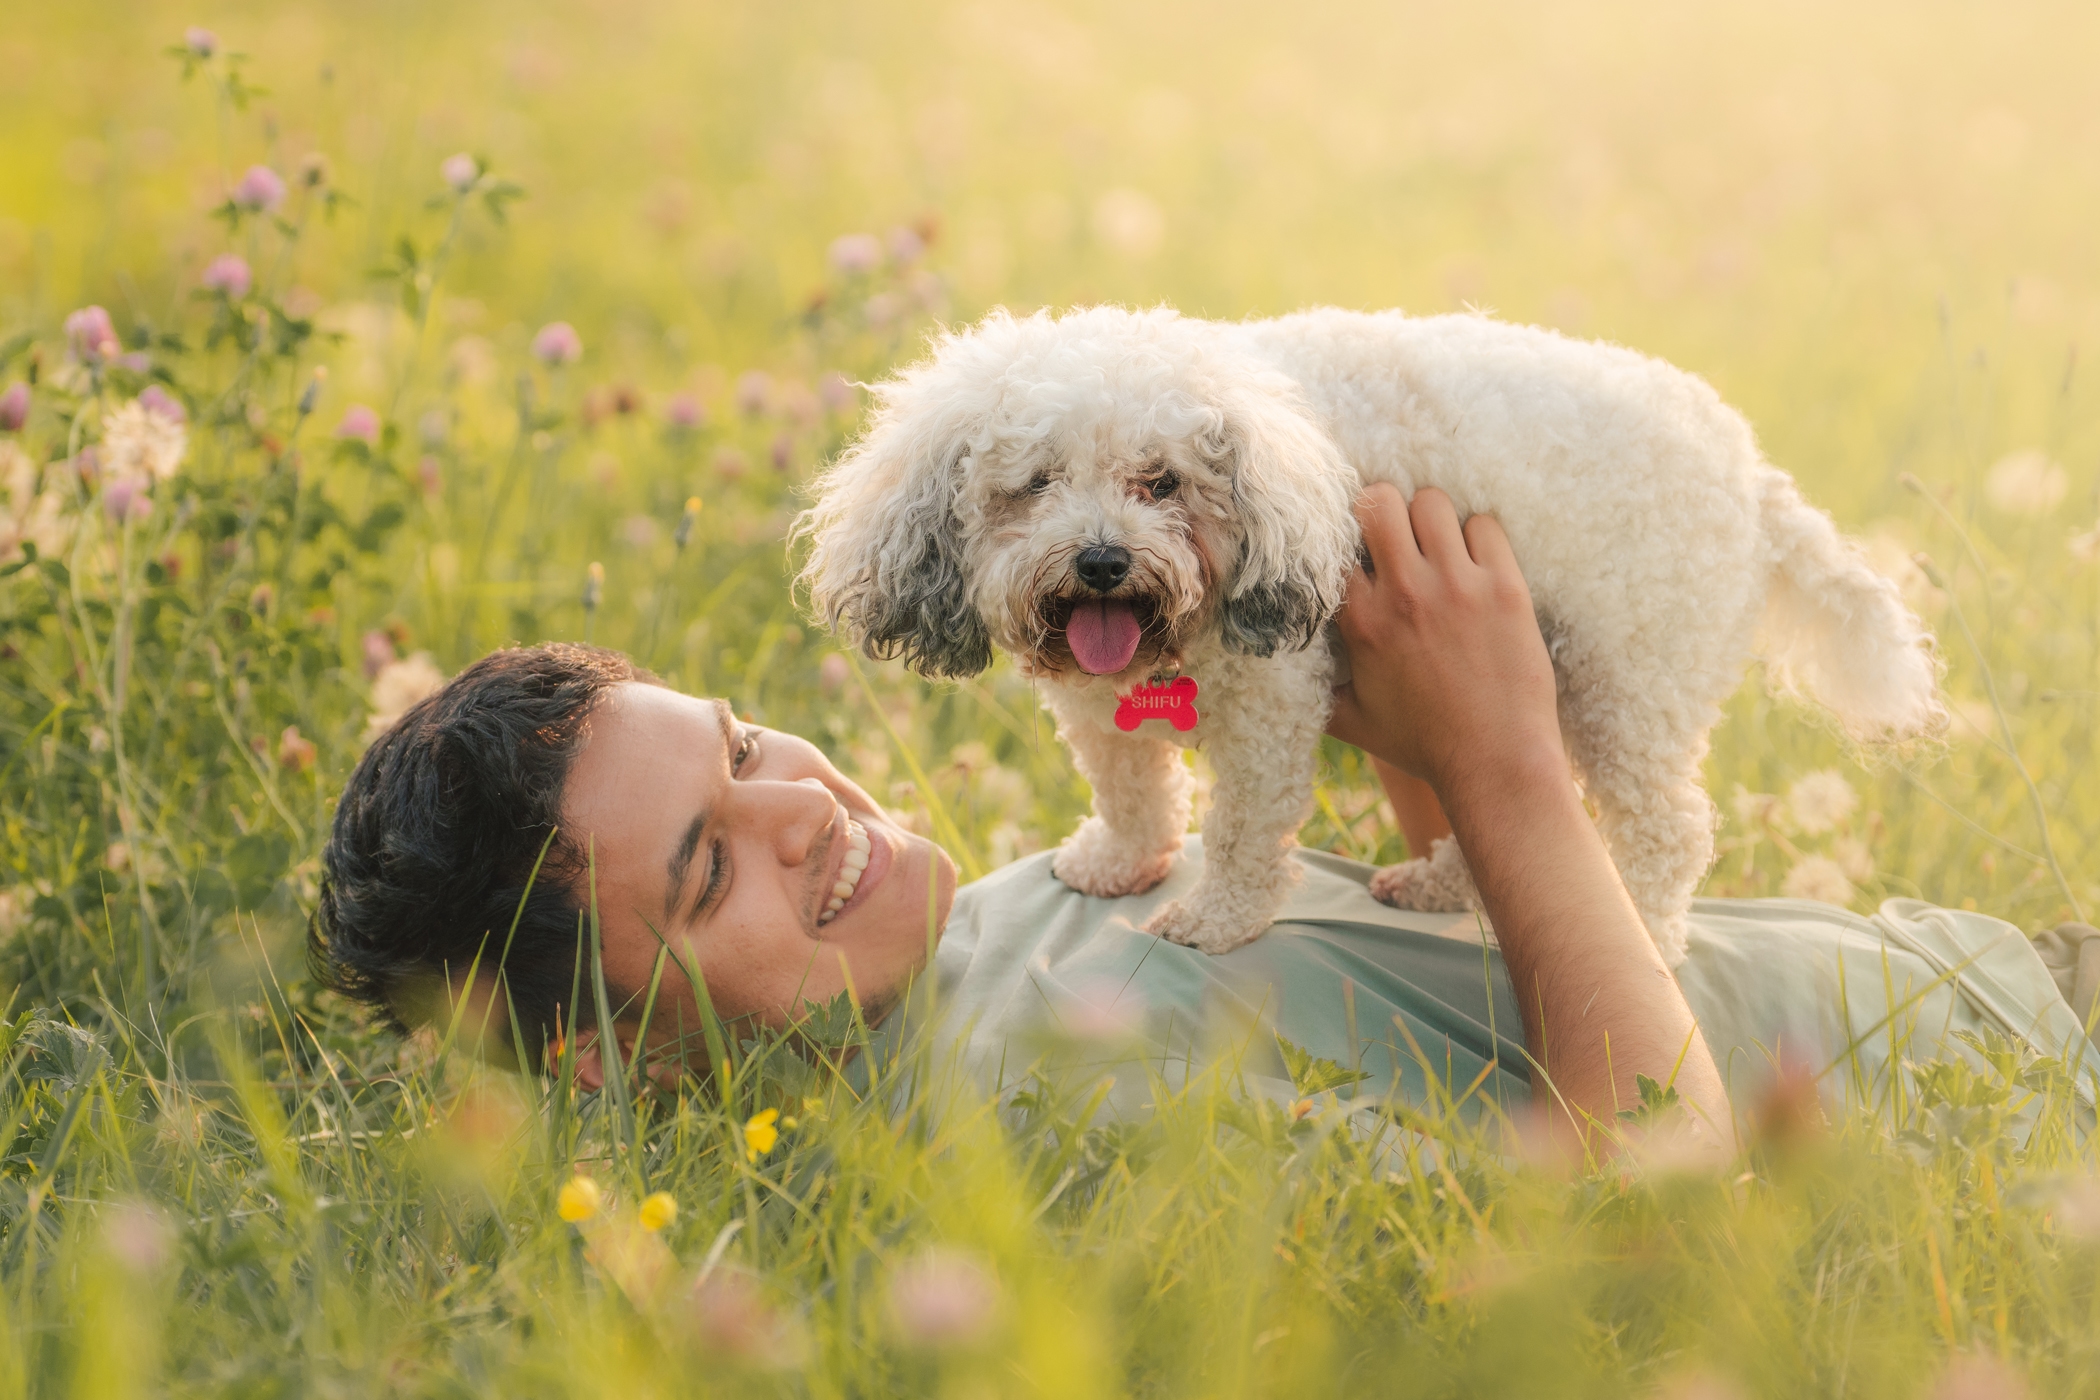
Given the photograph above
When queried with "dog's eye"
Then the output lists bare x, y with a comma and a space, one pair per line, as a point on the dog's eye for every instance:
1038, 484
1162, 486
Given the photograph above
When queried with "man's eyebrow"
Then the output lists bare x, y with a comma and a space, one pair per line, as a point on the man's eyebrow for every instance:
681, 862
726, 718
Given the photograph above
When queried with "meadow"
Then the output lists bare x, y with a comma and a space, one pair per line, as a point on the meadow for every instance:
428, 328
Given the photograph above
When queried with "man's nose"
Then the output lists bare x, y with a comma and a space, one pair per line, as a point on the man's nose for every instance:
794, 815
1102, 566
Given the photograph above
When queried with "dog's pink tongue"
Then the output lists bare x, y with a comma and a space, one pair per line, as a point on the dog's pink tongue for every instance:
1104, 636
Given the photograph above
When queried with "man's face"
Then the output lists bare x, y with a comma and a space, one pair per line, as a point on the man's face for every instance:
757, 862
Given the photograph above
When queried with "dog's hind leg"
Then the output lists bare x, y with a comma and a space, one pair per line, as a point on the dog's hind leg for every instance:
1438, 881
1141, 811
1641, 771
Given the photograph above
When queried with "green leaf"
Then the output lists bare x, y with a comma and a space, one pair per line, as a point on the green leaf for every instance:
1656, 1100
831, 1025
1312, 1075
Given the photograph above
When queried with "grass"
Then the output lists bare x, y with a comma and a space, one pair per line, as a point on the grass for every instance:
1868, 227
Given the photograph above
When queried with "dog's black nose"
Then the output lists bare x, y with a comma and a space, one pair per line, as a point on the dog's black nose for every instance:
1103, 566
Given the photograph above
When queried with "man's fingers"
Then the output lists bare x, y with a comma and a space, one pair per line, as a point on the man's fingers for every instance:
1488, 543
1358, 597
1381, 513
1436, 531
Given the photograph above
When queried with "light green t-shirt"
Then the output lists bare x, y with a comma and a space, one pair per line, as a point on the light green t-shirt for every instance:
1029, 968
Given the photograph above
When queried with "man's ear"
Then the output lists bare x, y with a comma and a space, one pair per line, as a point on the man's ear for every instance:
589, 1065
664, 1070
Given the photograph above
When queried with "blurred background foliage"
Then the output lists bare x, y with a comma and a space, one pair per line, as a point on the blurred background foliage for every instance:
1868, 224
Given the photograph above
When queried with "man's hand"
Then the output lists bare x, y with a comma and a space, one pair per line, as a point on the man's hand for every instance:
1451, 683
1449, 671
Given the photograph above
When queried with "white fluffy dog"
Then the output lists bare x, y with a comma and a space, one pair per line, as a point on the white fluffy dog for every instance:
1117, 496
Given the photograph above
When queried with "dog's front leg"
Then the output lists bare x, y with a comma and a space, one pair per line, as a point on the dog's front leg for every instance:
1264, 755
1141, 811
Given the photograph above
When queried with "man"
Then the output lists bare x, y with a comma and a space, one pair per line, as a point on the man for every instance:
735, 862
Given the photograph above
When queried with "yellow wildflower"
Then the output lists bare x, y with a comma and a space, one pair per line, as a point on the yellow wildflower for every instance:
760, 1134
658, 1210
580, 1199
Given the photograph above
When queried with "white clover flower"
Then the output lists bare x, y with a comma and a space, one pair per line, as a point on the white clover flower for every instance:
40, 517
260, 190
557, 343
138, 1236
18, 475
460, 171
856, 254
1821, 801
2077, 1209
1130, 223
397, 688
837, 392
906, 245
1756, 809
1979, 1376
1818, 878
142, 440
754, 390
127, 499
228, 273
943, 1298
2026, 483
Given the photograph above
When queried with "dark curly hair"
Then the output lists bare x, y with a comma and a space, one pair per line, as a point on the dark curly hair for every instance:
437, 836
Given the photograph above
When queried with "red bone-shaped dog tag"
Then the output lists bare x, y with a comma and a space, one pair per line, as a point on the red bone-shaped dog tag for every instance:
1174, 702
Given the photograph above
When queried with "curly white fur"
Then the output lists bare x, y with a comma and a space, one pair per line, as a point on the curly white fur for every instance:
1223, 458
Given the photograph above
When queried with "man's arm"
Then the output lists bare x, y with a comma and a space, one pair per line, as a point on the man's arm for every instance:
1452, 685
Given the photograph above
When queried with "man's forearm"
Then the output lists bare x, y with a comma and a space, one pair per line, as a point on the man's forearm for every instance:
1599, 1006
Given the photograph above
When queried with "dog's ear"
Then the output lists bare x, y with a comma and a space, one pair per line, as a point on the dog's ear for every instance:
886, 555
1292, 494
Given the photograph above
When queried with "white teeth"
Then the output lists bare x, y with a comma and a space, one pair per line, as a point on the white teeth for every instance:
856, 863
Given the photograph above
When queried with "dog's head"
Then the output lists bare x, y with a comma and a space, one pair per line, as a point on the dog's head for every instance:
1092, 492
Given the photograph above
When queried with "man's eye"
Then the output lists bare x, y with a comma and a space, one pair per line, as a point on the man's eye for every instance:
717, 876
746, 746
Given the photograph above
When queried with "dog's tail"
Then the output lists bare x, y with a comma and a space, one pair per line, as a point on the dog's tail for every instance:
1839, 632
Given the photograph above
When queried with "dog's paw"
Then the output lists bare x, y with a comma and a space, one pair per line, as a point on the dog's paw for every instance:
1439, 884
1093, 862
1205, 930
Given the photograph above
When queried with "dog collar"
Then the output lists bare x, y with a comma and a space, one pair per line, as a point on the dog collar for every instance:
1173, 701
